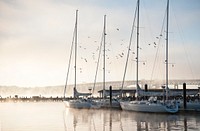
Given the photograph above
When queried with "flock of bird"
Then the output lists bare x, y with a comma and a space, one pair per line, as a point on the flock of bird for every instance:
117, 56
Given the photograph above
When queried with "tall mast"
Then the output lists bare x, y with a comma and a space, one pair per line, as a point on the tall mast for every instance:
167, 38
76, 34
137, 58
74, 39
104, 55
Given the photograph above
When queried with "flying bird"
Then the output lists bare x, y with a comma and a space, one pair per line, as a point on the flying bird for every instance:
120, 55
80, 70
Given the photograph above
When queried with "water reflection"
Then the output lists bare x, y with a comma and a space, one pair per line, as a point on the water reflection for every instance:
117, 120
146, 121
90, 120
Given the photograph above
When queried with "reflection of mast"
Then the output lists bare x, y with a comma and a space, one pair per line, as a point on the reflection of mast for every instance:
64, 121
110, 122
93, 123
121, 124
146, 126
74, 123
104, 121
185, 124
139, 128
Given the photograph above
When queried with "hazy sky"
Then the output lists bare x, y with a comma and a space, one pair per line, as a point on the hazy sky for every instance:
36, 35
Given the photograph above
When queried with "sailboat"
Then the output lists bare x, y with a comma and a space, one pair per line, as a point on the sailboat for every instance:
104, 102
76, 102
152, 105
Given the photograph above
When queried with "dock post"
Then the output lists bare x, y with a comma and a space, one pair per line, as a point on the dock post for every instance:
110, 96
146, 89
184, 96
198, 93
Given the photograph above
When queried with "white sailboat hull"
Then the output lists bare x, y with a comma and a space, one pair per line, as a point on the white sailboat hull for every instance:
79, 104
148, 107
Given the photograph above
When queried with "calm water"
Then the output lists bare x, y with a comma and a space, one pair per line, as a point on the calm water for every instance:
55, 117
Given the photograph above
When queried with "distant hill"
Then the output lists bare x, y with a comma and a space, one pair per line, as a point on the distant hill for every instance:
6, 91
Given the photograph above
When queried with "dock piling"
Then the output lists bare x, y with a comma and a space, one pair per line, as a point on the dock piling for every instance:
111, 96
146, 89
184, 96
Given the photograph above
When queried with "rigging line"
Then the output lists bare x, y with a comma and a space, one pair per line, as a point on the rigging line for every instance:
69, 63
147, 16
183, 43
70, 57
97, 67
156, 57
130, 41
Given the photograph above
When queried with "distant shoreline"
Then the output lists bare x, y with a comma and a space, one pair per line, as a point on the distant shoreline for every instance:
58, 91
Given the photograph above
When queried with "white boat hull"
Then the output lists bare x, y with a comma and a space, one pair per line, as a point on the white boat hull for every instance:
148, 107
77, 104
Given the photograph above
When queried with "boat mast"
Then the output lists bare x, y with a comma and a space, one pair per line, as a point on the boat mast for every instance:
76, 34
74, 39
137, 58
104, 55
167, 38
